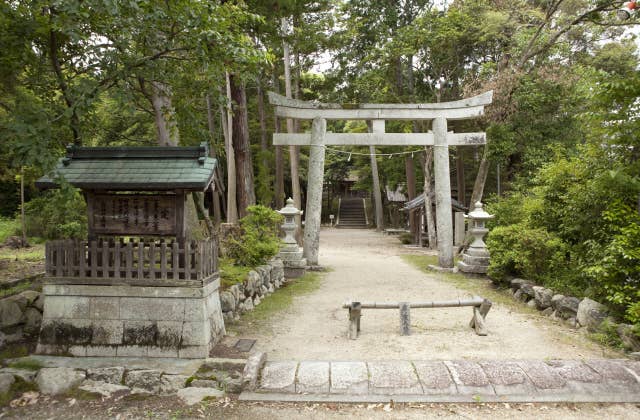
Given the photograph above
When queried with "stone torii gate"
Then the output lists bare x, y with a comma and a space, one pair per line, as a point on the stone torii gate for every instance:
439, 137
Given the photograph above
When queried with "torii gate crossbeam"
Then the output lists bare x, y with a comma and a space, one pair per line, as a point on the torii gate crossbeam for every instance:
439, 113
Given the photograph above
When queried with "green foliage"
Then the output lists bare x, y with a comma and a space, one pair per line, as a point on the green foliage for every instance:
258, 239
8, 227
230, 273
535, 254
406, 238
58, 214
26, 364
614, 264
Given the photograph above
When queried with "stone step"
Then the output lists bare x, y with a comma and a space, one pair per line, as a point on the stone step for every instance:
604, 380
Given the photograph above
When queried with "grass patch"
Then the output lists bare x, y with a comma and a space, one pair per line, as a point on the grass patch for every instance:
19, 387
13, 352
8, 227
82, 395
231, 274
31, 254
479, 286
15, 289
280, 300
27, 364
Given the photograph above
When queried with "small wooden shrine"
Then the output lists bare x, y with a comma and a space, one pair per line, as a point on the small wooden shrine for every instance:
140, 285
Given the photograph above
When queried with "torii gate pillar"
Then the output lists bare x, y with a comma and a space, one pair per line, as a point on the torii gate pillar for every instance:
443, 193
314, 191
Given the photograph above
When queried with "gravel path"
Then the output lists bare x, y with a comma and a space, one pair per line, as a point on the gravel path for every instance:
367, 266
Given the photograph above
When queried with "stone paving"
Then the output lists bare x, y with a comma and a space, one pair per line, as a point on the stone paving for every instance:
609, 380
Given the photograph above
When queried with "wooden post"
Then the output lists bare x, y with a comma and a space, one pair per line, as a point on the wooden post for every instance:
443, 193
354, 319
478, 322
314, 191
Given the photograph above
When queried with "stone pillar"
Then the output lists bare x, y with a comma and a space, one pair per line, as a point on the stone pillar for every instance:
314, 191
443, 193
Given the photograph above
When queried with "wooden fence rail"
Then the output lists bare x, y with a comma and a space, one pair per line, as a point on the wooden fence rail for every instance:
480, 306
131, 261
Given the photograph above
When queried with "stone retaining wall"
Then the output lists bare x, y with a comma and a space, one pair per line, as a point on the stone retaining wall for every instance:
260, 282
20, 316
573, 311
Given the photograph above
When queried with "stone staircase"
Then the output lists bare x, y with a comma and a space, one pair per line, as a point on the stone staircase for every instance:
351, 214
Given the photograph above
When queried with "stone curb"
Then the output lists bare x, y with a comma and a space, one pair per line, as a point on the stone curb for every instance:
344, 398
252, 369
604, 380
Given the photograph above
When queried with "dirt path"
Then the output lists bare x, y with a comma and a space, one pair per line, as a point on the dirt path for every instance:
367, 266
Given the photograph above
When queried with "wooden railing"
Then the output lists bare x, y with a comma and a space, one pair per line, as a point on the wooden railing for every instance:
152, 262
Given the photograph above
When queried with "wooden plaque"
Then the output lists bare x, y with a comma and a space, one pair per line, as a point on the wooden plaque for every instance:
133, 214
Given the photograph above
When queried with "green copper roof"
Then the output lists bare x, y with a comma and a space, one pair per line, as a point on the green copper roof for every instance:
134, 168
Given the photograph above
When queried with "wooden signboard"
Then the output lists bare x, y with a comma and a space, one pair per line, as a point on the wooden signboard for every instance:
134, 214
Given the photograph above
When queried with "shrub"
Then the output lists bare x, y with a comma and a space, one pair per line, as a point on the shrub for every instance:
614, 261
58, 214
257, 239
406, 238
534, 254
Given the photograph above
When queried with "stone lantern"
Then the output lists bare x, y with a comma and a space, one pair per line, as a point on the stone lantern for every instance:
476, 258
290, 252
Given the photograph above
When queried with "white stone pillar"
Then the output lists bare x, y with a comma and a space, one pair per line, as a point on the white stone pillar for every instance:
443, 193
314, 191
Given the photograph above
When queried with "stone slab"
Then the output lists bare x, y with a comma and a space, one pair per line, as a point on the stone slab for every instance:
543, 377
393, 377
350, 378
130, 291
615, 374
279, 376
435, 378
313, 378
507, 377
469, 377
580, 377
251, 371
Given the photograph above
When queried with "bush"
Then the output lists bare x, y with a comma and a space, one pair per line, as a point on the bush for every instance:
258, 238
534, 254
614, 261
58, 214
406, 238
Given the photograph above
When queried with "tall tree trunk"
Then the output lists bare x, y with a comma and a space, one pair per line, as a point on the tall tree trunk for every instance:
377, 195
410, 172
165, 114
23, 219
481, 178
245, 192
227, 128
428, 202
265, 169
293, 150
460, 184
279, 158
216, 192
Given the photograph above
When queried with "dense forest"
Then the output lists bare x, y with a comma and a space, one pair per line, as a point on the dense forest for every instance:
561, 169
